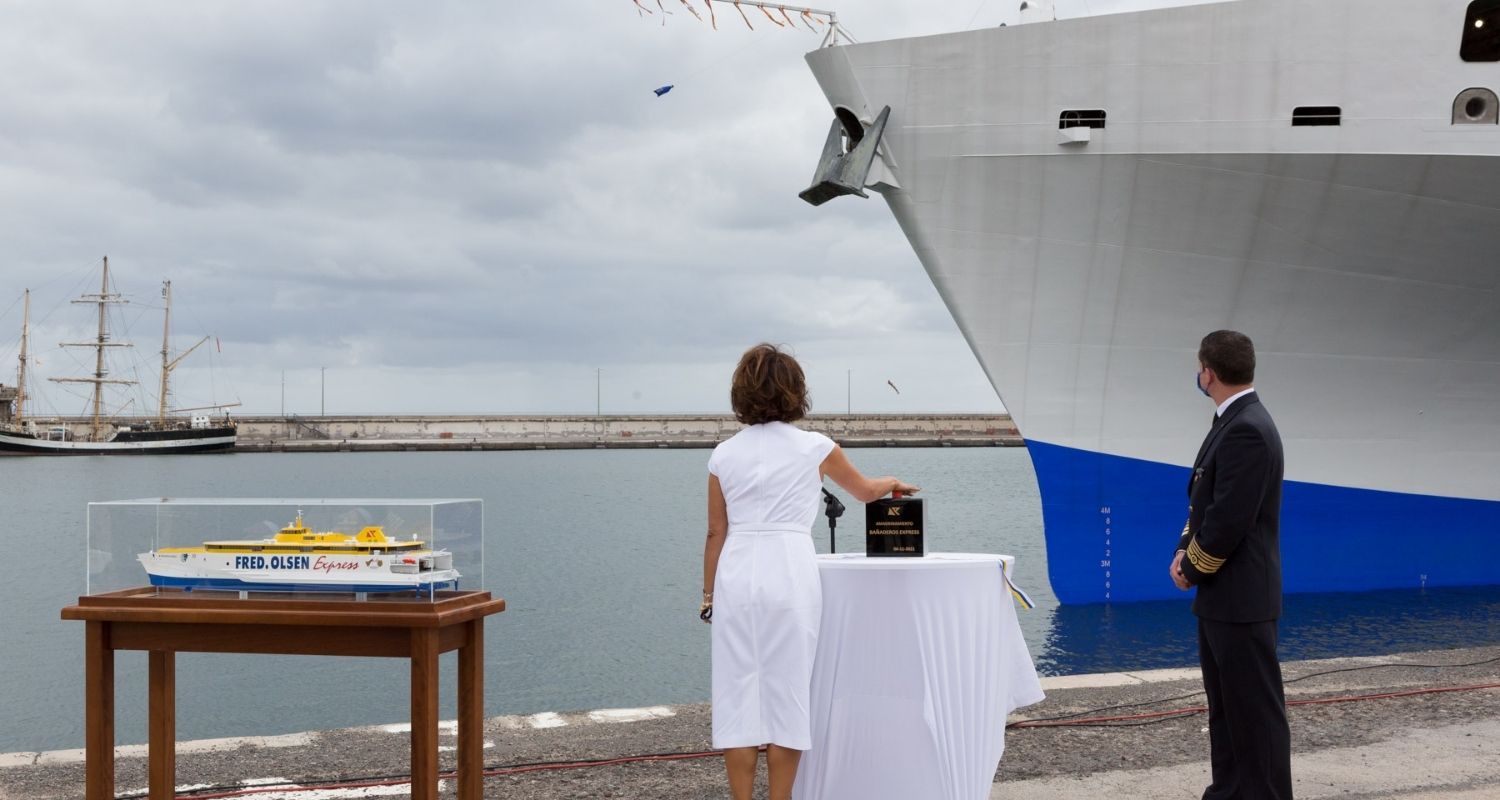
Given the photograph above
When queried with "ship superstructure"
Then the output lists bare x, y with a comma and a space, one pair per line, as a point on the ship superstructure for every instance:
1091, 196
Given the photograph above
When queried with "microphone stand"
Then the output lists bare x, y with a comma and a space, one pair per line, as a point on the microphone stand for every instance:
833, 509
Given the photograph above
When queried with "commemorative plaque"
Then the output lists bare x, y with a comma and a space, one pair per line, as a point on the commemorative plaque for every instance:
893, 527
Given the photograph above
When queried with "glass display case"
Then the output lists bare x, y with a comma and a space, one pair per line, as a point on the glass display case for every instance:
406, 549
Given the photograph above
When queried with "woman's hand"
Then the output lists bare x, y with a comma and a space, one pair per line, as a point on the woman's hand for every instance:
904, 488
706, 608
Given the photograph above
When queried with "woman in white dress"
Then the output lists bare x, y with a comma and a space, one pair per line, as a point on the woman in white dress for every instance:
760, 579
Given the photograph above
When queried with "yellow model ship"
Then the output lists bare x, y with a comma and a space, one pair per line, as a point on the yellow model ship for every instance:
300, 559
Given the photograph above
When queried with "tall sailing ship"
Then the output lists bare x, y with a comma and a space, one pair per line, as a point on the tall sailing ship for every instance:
104, 433
1091, 196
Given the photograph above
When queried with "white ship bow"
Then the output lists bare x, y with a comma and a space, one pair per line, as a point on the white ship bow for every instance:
1092, 196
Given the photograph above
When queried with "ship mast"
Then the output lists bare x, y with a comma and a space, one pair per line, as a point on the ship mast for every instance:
21, 370
103, 299
166, 332
168, 365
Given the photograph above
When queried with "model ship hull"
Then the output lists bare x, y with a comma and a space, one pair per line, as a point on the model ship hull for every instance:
294, 573
1083, 265
185, 440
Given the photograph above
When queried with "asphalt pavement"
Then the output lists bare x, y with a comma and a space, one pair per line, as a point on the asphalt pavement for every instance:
1416, 726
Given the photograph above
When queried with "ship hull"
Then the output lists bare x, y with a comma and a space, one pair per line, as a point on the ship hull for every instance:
292, 573
1361, 258
1333, 538
132, 443
235, 584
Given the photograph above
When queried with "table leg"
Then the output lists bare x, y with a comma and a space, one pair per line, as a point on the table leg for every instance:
99, 712
424, 713
471, 713
162, 725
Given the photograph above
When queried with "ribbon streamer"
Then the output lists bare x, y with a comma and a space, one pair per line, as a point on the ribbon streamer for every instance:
1015, 591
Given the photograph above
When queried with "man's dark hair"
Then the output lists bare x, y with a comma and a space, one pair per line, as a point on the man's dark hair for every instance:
768, 386
1231, 355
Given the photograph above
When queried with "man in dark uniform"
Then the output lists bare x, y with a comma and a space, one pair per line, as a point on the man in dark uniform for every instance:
1230, 549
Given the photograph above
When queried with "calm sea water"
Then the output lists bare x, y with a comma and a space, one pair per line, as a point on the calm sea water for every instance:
598, 555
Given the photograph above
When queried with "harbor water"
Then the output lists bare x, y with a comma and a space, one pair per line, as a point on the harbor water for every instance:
598, 555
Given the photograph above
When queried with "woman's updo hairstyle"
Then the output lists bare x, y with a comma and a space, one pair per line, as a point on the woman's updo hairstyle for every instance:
768, 386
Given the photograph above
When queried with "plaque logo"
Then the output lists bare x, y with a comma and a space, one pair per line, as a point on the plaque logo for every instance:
893, 511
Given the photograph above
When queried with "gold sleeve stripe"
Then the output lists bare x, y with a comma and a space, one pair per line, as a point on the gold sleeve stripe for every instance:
1203, 556
1202, 561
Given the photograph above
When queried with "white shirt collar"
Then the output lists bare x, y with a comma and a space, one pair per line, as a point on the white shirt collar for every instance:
1224, 406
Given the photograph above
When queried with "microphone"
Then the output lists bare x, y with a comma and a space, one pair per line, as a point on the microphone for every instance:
833, 509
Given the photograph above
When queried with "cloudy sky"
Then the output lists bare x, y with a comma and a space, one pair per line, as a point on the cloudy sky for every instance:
457, 206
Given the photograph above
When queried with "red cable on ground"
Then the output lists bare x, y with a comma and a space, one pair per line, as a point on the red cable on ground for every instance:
495, 772
1387, 695
492, 772
298, 788
1059, 723
503, 771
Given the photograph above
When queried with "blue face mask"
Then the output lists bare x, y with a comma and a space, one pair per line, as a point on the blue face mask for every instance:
1199, 385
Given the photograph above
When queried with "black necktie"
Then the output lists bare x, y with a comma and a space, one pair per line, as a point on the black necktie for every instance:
1208, 437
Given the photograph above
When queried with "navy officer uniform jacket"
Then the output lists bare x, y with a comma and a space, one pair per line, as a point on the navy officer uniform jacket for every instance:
1232, 536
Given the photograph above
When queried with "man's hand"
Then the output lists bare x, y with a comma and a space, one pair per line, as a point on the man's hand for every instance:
1176, 572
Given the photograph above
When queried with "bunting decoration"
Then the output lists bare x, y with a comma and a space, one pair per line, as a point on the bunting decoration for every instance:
813, 19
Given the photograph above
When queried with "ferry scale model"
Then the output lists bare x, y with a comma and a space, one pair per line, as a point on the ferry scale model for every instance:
301, 560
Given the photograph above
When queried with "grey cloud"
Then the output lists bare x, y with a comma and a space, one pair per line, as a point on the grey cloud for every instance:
483, 197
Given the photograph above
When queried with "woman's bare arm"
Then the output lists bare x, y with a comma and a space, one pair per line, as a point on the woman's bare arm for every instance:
866, 490
718, 529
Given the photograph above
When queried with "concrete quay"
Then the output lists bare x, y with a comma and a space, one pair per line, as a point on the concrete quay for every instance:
1417, 726
556, 432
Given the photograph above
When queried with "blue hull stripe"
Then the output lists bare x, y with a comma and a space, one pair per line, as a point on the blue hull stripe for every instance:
1112, 523
234, 584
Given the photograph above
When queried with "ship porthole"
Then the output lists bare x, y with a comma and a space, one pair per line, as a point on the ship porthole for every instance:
1481, 39
1476, 106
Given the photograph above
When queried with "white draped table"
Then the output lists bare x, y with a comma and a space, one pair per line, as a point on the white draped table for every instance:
919, 662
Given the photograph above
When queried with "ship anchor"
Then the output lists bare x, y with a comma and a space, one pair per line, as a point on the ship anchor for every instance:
842, 171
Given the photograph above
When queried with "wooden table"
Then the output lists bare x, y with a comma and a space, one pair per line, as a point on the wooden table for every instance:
167, 622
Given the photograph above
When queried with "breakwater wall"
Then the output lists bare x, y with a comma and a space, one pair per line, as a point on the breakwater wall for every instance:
542, 432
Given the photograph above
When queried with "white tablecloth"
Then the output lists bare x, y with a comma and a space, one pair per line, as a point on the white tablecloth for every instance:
919, 661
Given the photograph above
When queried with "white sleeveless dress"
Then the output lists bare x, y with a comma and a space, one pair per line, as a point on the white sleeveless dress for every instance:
767, 599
